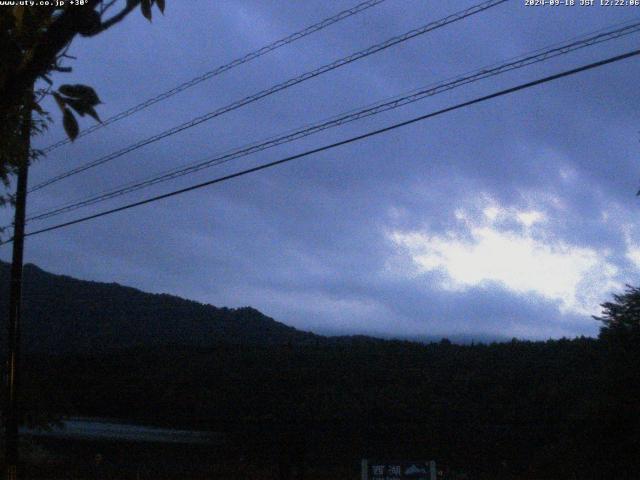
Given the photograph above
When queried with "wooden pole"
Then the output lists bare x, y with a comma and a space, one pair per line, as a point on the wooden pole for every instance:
12, 457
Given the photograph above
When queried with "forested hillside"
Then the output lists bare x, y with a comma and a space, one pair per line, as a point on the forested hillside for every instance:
64, 315
557, 409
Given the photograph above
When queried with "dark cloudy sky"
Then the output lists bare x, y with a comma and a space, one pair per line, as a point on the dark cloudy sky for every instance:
515, 217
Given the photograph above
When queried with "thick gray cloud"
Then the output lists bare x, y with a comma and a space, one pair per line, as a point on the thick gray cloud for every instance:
311, 243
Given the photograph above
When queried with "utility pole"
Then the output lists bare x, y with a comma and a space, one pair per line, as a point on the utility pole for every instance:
12, 418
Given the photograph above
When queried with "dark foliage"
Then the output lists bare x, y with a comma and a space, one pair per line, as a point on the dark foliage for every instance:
555, 409
34, 39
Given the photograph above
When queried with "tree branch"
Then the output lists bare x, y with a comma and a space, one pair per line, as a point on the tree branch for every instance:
106, 6
118, 17
59, 34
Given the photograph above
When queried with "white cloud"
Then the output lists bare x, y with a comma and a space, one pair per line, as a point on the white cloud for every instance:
529, 218
632, 252
523, 261
492, 212
633, 255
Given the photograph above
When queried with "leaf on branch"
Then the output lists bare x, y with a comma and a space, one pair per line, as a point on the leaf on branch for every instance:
81, 92
70, 124
92, 113
82, 99
145, 6
60, 101
82, 108
38, 108
161, 5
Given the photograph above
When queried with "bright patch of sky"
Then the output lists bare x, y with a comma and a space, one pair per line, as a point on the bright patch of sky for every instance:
515, 249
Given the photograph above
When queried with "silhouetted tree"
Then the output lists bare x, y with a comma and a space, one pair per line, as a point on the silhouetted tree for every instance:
621, 318
618, 418
33, 45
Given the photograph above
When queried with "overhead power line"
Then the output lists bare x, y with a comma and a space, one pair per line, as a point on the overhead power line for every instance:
223, 68
372, 133
539, 55
276, 88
